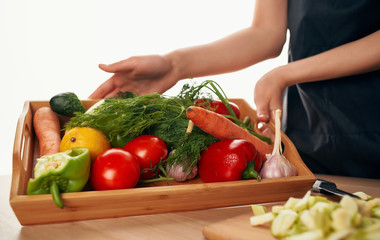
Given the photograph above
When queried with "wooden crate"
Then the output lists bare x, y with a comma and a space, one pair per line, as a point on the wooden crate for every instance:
155, 198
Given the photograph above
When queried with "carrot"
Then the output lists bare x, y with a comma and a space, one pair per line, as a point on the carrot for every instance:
222, 128
47, 128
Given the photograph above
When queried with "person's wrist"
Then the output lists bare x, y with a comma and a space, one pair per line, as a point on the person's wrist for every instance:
285, 75
177, 67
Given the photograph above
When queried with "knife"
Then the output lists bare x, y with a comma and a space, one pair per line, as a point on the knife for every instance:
326, 187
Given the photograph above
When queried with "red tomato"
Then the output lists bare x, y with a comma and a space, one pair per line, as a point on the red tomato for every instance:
218, 106
149, 150
115, 169
225, 160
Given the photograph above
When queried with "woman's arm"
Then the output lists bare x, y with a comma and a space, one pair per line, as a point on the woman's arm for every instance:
353, 58
155, 73
264, 39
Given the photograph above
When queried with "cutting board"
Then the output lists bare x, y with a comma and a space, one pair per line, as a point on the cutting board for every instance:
238, 228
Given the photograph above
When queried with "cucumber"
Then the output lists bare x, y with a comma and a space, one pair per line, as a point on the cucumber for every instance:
66, 104
258, 209
316, 217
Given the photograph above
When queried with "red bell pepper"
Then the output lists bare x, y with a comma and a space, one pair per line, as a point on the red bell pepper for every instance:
227, 160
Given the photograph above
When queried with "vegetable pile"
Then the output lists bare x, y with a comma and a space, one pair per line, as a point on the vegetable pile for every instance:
316, 217
129, 116
151, 138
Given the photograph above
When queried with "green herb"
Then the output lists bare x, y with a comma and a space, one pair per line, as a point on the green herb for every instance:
129, 115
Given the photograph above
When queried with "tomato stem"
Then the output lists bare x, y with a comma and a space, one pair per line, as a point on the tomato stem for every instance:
160, 178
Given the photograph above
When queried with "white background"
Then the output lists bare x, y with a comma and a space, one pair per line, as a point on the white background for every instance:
49, 47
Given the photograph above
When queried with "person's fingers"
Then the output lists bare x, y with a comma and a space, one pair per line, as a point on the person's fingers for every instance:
265, 130
105, 67
266, 113
113, 93
262, 102
263, 114
124, 65
103, 90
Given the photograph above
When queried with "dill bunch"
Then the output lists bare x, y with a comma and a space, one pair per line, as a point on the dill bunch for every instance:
130, 115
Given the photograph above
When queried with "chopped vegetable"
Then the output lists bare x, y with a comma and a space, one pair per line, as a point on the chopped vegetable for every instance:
258, 209
283, 222
60, 173
261, 219
276, 165
316, 217
47, 128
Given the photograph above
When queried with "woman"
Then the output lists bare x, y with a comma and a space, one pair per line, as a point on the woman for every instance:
329, 90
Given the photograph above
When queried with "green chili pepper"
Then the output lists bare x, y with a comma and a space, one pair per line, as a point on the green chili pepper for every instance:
60, 173
250, 172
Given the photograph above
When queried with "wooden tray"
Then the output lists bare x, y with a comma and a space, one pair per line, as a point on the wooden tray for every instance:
155, 198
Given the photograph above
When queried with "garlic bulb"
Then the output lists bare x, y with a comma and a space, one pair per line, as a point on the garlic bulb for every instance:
277, 165
177, 173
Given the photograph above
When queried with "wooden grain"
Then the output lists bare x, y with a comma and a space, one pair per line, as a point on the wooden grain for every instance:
183, 225
239, 228
152, 199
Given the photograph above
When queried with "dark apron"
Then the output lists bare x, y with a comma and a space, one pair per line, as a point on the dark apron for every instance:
335, 124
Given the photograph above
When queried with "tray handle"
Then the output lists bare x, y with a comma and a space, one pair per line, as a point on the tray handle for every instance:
22, 151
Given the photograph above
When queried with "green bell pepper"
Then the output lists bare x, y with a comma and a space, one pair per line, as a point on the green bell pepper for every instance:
60, 173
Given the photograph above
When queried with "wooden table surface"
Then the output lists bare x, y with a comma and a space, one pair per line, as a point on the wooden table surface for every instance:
180, 225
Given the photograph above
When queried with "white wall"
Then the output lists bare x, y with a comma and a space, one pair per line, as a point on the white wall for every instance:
48, 47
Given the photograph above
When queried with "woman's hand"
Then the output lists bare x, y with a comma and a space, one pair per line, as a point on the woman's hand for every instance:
268, 97
268, 94
140, 74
